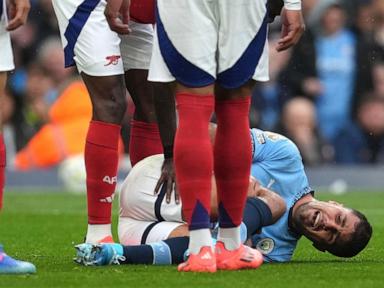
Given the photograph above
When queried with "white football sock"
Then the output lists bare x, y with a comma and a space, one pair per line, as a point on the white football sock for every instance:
97, 232
198, 239
230, 237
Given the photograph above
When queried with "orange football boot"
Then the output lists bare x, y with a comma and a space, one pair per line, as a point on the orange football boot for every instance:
242, 258
204, 261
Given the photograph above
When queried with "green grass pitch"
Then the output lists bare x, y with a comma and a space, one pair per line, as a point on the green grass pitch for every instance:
43, 228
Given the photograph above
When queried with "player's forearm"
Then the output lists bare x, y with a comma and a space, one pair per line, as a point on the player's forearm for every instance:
275, 203
166, 115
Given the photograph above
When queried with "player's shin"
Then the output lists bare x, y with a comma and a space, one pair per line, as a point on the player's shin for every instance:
101, 160
232, 154
166, 252
194, 165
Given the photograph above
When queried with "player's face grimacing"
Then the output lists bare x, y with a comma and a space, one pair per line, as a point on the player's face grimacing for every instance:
325, 222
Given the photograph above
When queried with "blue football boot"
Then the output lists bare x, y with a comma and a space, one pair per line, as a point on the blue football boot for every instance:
8, 265
99, 254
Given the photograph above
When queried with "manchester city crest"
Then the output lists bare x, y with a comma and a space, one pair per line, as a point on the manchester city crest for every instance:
265, 246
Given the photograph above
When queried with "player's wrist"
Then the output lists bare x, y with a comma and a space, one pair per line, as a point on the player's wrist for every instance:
292, 4
168, 151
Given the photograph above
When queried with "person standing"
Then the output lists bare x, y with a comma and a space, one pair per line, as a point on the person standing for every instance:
18, 16
214, 50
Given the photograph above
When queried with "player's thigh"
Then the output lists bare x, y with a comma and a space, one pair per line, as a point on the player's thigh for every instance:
87, 40
6, 58
186, 41
136, 47
136, 232
138, 199
141, 91
242, 41
3, 81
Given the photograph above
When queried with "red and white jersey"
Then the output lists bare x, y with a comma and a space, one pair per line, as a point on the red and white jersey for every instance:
6, 58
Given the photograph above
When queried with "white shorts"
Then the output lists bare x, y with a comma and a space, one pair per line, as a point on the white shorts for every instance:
145, 217
6, 58
90, 44
136, 48
200, 42
135, 232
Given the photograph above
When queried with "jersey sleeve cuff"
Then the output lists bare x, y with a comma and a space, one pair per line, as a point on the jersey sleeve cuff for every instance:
292, 4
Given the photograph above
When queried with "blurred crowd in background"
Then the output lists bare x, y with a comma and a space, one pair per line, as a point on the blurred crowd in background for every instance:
326, 94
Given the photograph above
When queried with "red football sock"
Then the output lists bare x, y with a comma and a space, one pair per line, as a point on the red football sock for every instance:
2, 169
101, 159
145, 141
232, 154
193, 157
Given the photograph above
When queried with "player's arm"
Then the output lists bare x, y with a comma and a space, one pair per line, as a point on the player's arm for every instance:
18, 13
292, 24
164, 101
274, 201
117, 14
273, 204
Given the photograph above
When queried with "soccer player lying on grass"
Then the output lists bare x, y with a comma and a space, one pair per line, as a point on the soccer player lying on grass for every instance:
276, 162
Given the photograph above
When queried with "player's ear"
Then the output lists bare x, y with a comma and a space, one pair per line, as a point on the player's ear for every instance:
319, 247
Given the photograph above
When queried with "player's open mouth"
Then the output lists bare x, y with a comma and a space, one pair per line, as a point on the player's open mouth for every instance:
316, 220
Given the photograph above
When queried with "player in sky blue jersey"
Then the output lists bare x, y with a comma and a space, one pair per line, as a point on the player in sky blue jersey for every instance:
146, 219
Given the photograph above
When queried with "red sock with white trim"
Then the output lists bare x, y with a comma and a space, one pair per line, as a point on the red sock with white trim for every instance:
101, 160
144, 141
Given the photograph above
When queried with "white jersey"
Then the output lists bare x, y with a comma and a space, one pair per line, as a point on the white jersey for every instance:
6, 58
200, 42
144, 216
90, 45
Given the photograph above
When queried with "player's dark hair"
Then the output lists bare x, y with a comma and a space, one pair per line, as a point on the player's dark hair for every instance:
356, 243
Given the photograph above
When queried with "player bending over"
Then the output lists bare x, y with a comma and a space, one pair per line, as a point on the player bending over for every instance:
158, 231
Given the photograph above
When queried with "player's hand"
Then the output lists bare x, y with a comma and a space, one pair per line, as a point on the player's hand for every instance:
117, 14
292, 28
18, 13
168, 178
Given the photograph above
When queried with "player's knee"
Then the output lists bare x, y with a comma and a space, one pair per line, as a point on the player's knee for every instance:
241, 92
145, 111
110, 108
179, 231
